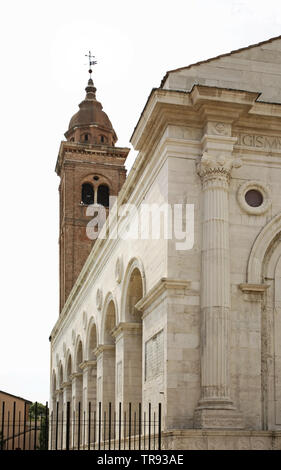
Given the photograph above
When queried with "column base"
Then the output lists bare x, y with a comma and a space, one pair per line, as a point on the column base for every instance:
215, 418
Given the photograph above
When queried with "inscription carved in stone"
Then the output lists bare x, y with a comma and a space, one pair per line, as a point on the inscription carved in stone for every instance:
259, 141
154, 356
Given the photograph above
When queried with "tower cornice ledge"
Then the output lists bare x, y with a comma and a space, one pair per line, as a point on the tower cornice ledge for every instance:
92, 149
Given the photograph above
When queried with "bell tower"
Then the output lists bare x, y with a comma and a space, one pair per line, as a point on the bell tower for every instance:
91, 169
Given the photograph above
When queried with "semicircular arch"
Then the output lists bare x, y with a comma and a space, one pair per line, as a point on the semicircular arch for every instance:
260, 247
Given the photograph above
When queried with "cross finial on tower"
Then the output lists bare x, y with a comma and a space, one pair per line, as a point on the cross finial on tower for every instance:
92, 61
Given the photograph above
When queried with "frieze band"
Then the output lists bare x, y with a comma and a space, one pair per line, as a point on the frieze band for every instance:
259, 141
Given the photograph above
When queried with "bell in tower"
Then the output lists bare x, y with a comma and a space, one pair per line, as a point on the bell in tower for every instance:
91, 169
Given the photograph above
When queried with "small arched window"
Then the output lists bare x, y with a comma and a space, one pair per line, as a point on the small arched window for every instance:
87, 193
85, 138
103, 139
103, 195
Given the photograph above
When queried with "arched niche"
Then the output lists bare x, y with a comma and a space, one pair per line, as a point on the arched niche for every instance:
271, 335
134, 289
92, 340
107, 355
68, 368
130, 337
60, 375
260, 247
78, 354
109, 319
54, 384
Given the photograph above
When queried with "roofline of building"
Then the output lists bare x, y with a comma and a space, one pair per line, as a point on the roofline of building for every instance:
15, 396
218, 57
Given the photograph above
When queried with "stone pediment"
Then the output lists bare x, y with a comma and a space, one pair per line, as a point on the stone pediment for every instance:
253, 68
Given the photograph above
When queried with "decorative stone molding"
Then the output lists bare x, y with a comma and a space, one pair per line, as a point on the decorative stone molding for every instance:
219, 165
102, 348
218, 419
66, 384
85, 364
126, 326
99, 299
76, 375
119, 269
254, 288
259, 248
262, 188
161, 286
218, 128
221, 128
64, 349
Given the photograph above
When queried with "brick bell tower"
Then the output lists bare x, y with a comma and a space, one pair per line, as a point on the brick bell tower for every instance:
91, 169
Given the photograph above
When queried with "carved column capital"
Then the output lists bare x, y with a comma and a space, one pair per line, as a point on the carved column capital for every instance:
217, 166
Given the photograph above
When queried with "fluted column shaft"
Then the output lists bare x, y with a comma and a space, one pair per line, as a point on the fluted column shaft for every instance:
215, 301
215, 408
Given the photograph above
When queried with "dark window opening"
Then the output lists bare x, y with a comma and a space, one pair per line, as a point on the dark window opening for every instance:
96, 178
86, 137
254, 198
103, 195
103, 139
88, 195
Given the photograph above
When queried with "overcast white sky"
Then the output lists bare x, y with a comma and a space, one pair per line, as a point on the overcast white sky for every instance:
43, 76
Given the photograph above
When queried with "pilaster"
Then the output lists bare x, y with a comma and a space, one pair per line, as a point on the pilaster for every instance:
67, 393
128, 364
105, 355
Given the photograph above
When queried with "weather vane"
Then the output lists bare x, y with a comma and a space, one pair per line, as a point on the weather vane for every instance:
92, 61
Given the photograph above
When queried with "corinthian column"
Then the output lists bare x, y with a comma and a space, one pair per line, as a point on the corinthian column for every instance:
215, 408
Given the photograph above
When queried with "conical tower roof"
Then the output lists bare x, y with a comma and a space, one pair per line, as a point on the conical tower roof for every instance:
92, 119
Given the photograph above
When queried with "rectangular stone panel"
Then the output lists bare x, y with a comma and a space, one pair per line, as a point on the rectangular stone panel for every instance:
154, 356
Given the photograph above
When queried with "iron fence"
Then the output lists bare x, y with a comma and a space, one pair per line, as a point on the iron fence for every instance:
131, 427
29, 432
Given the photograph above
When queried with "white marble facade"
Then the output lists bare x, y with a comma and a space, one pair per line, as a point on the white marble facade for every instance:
198, 329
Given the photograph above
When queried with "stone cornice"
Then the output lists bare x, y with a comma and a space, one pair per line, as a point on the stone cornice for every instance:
159, 288
235, 102
102, 348
89, 149
66, 384
76, 375
126, 326
86, 364
253, 288
233, 99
